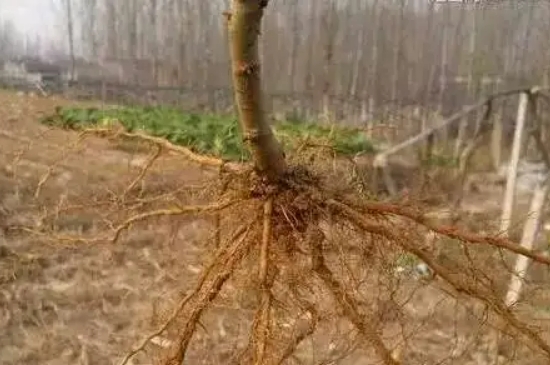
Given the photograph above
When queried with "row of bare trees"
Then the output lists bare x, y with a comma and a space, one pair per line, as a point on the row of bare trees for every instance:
409, 51
373, 51
12, 42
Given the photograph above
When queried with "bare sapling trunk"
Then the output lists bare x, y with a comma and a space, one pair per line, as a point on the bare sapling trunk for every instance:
244, 23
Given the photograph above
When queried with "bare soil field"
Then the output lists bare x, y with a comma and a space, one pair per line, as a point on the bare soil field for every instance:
78, 303
64, 302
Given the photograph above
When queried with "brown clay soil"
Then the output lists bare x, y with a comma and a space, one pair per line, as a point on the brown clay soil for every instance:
90, 304
80, 304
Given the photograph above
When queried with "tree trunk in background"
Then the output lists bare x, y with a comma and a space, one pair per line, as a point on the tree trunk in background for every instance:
295, 43
463, 126
429, 64
88, 35
181, 45
309, 78
397, 44
358, 61
111, 31
442, 87
244, 27
71, 39
525, 41
372, 69
330, 25
153, 40
132, 52
443, 79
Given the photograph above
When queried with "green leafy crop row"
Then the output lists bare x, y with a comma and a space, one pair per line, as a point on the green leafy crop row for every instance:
208, 133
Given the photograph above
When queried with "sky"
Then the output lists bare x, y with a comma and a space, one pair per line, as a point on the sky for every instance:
35, 18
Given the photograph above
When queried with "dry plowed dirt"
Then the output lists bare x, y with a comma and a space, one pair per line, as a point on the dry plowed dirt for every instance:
81, 303
65, 302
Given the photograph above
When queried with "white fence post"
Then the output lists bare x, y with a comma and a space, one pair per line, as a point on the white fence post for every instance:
508, 202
